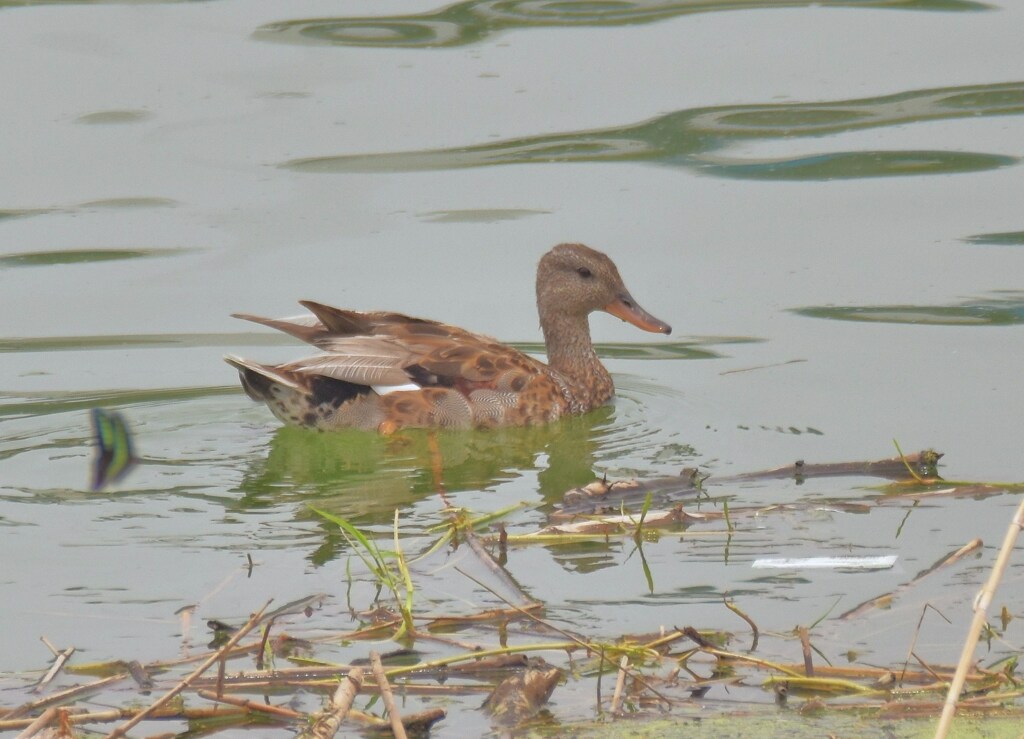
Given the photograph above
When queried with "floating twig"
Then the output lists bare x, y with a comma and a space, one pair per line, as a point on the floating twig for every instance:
63, 696
329, 722
39, 723
620, 681
58, 663
119, 714
822, 684
251, 705
386, 695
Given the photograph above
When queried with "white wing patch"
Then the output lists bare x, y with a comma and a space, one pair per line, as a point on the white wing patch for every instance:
385, 389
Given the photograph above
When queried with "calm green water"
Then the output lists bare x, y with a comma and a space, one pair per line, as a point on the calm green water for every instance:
822, 198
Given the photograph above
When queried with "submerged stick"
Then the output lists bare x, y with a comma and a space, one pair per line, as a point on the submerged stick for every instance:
387, 696
981, 604
62, 697
251, 705
254, 619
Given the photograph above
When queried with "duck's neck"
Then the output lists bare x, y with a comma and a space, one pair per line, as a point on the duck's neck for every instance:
572, 355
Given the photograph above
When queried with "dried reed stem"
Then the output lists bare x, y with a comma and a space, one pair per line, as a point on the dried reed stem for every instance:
59, 660
981, 604
251, 705
40, 723
620, 681
805, 645
387, 696
330, 721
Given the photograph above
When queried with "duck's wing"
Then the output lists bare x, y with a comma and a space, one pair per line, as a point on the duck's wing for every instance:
409, 360
470, 362
374, 362
325, 324
383, 370
305, 328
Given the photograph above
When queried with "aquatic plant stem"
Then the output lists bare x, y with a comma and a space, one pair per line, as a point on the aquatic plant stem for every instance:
981, 604
753, 626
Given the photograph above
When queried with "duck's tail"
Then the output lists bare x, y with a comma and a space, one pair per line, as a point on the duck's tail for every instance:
258, 379
304, 328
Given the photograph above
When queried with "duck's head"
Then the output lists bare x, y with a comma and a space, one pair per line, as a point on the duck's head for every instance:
575, 280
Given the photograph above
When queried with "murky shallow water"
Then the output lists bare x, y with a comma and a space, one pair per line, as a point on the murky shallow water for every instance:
822, 199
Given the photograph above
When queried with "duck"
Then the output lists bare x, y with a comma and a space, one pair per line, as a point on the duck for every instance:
383, 371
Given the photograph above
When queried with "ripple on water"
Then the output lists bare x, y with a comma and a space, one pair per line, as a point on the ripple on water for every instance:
480, 215
1003, 238
414, 32
848, 165
130, 202
469, 22
80, 256
694, 348
12, 213
634, 442
113, 117
565, 148
112, 203
692, 138
1005, 308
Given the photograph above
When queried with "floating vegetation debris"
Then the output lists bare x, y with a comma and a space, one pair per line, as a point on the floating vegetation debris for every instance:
518, 669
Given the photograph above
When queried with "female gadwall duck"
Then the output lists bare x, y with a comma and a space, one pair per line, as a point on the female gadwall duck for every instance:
387, 371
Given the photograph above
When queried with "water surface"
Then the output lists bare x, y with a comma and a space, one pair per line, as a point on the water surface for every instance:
822, 198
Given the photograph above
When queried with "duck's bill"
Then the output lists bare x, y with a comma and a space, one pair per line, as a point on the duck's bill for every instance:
626, 308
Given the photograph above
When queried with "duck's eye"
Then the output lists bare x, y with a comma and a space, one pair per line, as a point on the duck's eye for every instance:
584, 273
